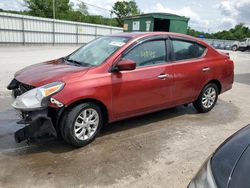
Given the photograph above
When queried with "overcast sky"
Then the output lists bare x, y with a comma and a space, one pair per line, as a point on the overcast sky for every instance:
208, 16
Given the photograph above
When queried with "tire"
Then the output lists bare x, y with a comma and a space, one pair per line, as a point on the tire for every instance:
77, 129
61, 127
207, 98
234, 48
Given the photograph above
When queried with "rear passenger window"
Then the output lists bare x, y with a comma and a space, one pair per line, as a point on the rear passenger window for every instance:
187, 50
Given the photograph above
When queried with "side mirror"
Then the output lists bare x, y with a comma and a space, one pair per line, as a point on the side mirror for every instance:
125, 65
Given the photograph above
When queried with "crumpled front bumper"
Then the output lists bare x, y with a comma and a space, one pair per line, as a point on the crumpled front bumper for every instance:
38, 124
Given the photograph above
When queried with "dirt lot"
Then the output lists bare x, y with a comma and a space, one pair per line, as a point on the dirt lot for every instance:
163, 149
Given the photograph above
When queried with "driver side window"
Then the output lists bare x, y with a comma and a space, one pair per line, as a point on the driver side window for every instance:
148, 53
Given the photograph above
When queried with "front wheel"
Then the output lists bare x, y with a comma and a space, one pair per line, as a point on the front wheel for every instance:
207, 98
82, 124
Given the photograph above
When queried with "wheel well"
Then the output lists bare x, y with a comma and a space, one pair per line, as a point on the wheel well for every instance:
217, 83
235, 46
97, 102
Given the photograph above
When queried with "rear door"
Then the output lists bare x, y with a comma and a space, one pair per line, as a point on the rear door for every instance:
190, 70
149, 86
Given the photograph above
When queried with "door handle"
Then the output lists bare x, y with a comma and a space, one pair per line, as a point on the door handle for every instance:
206, 69
163, 76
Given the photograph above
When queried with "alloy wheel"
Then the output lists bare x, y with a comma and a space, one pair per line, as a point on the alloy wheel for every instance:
86, 124
209, 97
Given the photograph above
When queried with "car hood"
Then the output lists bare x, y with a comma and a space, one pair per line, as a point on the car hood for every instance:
46, 72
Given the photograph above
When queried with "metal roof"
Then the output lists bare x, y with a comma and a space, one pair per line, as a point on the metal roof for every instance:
160, 15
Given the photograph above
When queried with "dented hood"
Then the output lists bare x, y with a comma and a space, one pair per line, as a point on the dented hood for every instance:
51, 71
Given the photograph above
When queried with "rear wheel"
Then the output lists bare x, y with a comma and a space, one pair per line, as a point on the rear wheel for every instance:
207, 98
234, 48
82, 124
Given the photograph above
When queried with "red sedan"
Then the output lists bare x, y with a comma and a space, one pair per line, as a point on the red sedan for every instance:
116, 77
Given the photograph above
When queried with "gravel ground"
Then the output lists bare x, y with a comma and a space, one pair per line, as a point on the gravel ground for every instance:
163, 149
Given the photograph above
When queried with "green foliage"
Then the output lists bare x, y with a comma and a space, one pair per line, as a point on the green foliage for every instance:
44, 8
237, 33
64, 11
14, 12
82, 7
125, 8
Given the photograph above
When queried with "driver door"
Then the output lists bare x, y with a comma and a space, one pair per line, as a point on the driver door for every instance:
148, 87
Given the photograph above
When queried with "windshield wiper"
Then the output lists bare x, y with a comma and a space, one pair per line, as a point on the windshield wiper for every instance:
76, 62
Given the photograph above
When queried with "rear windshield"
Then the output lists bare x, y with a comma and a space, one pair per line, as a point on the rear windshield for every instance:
97, 51
243, 40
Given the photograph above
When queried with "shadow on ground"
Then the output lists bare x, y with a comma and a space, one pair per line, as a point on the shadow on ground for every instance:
242, 78
223, 113
122, 150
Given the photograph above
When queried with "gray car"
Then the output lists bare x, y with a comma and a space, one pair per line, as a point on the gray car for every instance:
228, 166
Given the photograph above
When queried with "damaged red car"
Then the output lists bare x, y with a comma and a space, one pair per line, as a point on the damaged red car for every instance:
116, 77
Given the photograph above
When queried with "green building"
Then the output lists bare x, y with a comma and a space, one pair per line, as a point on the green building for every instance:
156, 22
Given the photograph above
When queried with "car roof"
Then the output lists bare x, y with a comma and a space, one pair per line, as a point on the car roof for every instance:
138, 35
146, 34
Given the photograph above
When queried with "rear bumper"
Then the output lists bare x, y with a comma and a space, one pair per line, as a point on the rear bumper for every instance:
228, 87
38, 124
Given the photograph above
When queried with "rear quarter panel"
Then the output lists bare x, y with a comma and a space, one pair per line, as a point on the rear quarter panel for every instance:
222, 69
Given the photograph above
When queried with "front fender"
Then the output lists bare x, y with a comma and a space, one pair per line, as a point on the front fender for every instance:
96, 89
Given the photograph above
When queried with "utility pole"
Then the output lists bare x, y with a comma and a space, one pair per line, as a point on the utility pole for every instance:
54, 17
54, 11
110, 18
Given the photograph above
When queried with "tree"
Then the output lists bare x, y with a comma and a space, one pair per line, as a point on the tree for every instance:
125, 8
64, 11
240, 31
83, 8
44, 8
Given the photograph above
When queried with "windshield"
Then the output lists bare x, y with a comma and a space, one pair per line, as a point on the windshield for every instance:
97, 51
243, 40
